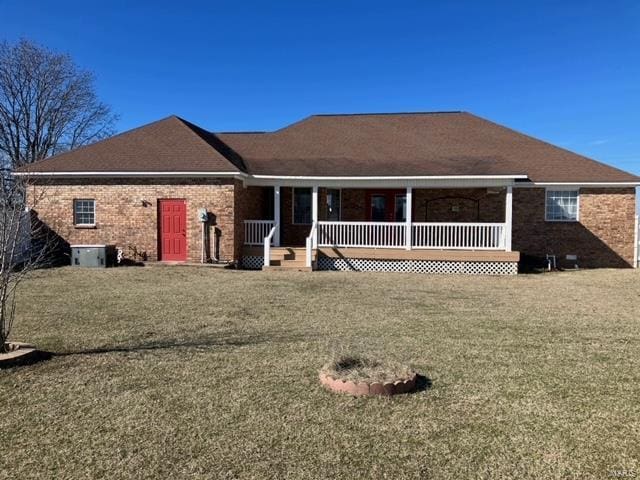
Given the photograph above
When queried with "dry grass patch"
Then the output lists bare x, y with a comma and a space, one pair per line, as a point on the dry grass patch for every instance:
358, 368
199, 373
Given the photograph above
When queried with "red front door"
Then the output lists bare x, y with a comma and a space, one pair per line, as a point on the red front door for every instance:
172, 224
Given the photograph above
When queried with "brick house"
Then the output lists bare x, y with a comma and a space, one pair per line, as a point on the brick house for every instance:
444, 192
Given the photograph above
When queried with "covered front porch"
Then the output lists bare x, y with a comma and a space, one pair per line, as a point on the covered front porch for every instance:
438, 230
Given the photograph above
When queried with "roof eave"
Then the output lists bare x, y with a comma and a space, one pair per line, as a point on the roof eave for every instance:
125, 174
388, 181
601, 184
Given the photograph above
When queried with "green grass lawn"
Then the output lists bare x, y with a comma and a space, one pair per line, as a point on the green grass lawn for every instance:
183, 372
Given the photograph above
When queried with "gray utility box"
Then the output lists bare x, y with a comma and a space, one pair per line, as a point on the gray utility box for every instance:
97, 256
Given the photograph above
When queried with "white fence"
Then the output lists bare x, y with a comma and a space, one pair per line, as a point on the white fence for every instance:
255, 231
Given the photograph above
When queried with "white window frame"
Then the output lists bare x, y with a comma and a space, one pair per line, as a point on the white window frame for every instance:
340, 206
293, 205
75, 200
562, 189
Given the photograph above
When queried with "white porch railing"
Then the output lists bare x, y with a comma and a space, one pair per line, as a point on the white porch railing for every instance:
362, 234
267, 245
256, 230
459, 236
310, 241
462, 236
440, 235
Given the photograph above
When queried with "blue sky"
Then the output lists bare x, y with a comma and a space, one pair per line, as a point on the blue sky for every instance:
567, 72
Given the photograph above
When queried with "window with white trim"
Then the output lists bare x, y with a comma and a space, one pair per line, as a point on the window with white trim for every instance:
84, 212
561, 205
302, 206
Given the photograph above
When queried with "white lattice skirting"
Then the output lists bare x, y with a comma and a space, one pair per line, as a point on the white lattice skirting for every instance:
418, 266
412, 266
252, 262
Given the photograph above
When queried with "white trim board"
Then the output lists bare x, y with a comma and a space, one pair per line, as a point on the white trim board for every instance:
387, 177
577, 184
390, 182
121, 174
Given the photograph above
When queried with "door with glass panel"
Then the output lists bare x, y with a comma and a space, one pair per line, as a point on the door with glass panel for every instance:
387, 206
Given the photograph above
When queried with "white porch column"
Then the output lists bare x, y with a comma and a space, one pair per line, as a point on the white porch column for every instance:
508, 218
276, 215
409, 214
314, 213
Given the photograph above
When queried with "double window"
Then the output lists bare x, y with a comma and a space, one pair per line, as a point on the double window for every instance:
562, 205
84, 212
302, 207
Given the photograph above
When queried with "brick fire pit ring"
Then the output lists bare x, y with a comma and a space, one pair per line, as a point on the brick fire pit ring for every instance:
18, 352
372, 388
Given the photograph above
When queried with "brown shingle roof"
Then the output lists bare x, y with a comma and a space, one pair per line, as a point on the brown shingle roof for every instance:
168, 145
446, 143
403, 144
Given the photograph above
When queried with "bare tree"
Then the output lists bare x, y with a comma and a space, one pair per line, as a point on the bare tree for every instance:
25, 244
47, 105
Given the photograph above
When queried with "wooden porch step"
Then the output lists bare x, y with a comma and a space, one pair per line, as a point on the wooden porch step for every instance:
287, 253
284, 262
290, 264
290, 258
288, 268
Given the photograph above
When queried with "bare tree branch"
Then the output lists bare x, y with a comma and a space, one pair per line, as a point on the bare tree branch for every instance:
47, 105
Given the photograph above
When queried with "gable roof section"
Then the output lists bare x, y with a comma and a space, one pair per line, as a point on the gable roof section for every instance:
168, 145
432, 144
414, 144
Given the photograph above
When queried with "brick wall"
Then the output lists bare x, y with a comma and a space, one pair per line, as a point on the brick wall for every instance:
435, 205
354, 208
249, 203
458, 205
122, 218
603, 237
